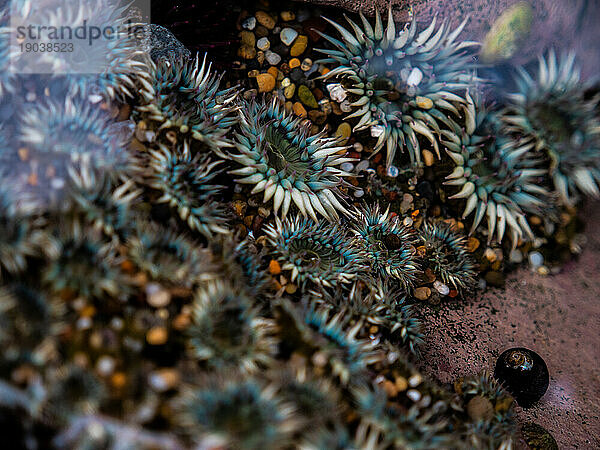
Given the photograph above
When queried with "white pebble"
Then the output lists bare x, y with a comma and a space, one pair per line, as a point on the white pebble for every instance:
536, 259
363, 165
345, 106
249, 23
516, 256
272, 57
415, 77
337, 92
263, 44
415, 380
407, 222
288, 36
105, 365
441, 287
359, 193
392, 171
377, 130
347, 166
414, 395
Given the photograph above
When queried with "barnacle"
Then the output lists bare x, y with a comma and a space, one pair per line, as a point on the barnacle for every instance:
226, 330
66, 131
83, 265
168, 257
233, 413
381, 308
102, 204
404, 84
18, 236
319, 253
493, 426
551, 113
337, 347
183, 96
185, 182
279, 156
498, 177
388, 245
447, 256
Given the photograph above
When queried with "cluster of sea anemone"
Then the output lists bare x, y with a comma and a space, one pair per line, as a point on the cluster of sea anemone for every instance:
141, 308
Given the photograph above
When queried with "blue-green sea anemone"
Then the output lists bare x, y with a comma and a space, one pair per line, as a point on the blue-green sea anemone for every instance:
319, 253
447, 256
84, 265
336, 346
235, 413
281, 158
186, 184
64, 132
500, 179
100, 201
402, 85
184, 96
339, 438
388, 245
18, 235
227, 331
168, 257
549, 112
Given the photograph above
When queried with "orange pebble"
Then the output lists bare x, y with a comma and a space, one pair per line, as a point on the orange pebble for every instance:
274, 267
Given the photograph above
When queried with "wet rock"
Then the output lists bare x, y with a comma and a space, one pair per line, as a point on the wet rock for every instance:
265, 20
508, 33
288, 36
266, 82
299, 45
307, 97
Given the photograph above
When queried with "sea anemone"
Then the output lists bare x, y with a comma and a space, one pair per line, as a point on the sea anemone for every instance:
366, 437
239, 261
551, 113
101, 203
108, 66
380, 308
84, 265
319, 253
232, 413
499, 178
447, 256
65, 132
388, 245
226, 330
280, 157
318, 403
185, 183
334, 344
18, 234
183, 96
402, 85
168, 257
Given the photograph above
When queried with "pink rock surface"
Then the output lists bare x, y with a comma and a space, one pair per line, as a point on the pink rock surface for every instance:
557, 316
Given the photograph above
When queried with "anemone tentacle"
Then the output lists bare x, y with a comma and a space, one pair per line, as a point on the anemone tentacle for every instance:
549, 112
280, 158
402, 85
500, 179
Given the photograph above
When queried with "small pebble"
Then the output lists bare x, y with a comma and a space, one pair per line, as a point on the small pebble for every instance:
472, 244
287, 16
516, 256
306, 64
363, 165
157, 335
263, 44
441, 287
401, 384
317, 117
248, 38
299, 45
289, 91
377, 130
265, 20
249, 23
415, 380
325, 106
294, 62
347, 166
359, 193
414, 395
428, 158
343, 132
480, 408
536, 259
157, 296
424, 102
288, 36
415, 77
537, 437
272, 58
524, 374
299, 110
490, 255
162, 380
407, 222
246, 52
105, 365
392, 172
307, 97
266, 82
422, 293
337, 92
345, 106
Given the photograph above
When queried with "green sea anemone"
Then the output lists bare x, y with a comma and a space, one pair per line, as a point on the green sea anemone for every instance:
235, 413
227, 331
388, 245
281, 158
500, 179
318, 253
551, 113
447, 256
183, 95
186, 184
402, 85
